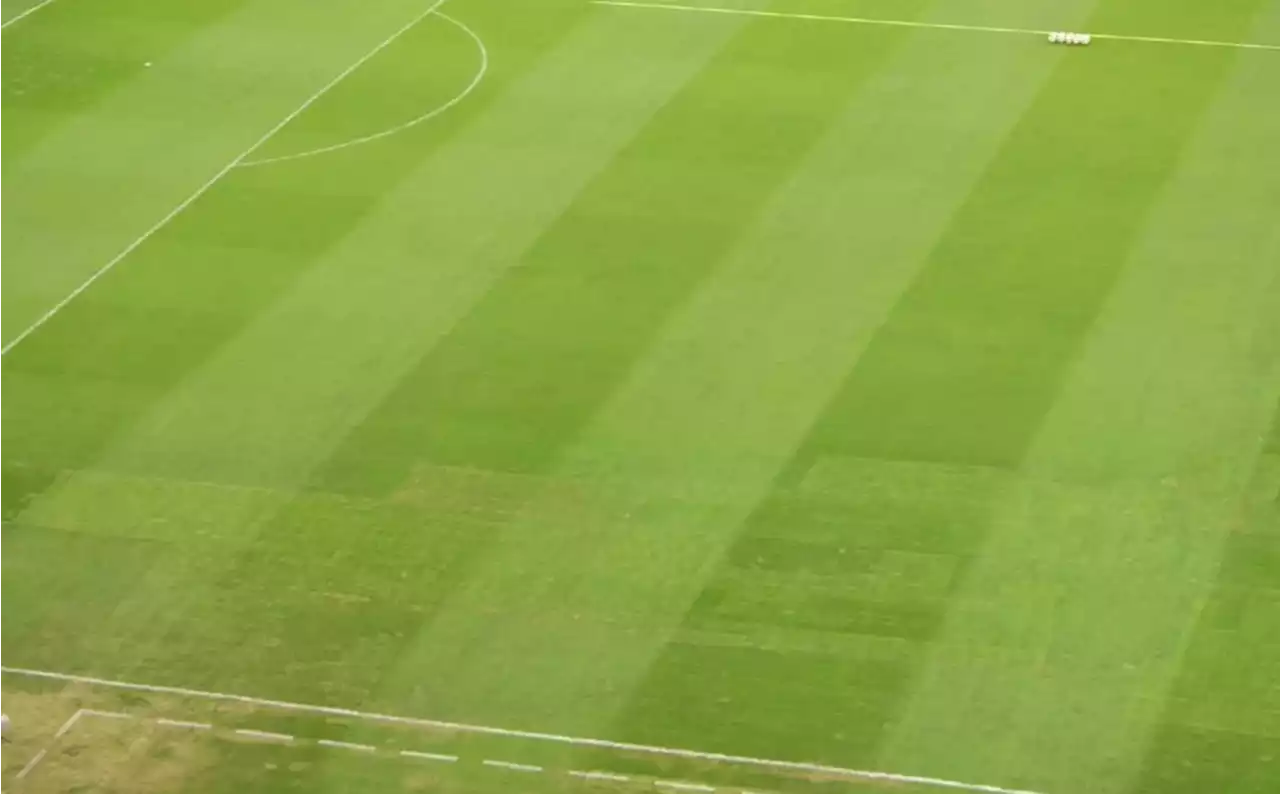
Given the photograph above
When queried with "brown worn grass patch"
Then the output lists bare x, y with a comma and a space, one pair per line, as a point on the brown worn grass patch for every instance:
117, 756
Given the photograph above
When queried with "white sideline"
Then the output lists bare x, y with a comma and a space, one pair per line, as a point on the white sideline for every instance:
25, 14
399, 128
906, 23
672, 752
228, 168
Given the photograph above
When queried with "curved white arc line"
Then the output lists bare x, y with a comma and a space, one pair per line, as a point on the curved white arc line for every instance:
215, 179
475, 81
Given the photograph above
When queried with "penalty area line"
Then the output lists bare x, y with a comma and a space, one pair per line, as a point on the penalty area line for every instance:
38, 757
907, 23
216, 178
489, 730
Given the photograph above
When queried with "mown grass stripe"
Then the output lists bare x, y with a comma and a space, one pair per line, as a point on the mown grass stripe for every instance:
518, 377
949, 394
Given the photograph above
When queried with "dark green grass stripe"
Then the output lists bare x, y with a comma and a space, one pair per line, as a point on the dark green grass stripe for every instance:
1221, 729
1273, 438
517, 378
74, 53
102, 363
524, 369
961, 374
973, 355
21, 483
57, 583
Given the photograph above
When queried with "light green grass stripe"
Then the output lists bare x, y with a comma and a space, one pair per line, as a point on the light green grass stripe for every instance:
906, 23
17, 10
1100, 562
79, 54
97, 183
372, 315
704, 421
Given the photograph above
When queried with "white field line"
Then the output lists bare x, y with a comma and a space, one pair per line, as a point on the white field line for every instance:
228, 168
593, 775
399, 128
678, 785
508, 765
364, 748
448, 759
25, 14
38, 757
488, 730
906, 23
106, 715
269, 736
195, 726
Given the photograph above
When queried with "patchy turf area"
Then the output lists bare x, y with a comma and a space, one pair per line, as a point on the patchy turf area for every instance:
869, 384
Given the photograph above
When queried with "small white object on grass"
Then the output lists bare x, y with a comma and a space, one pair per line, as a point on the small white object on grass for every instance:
148, 63
4, 724
1061, 37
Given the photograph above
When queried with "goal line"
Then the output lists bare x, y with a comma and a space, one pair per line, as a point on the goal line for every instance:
489, 730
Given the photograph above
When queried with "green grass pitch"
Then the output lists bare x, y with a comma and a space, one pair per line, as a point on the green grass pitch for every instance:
743, 377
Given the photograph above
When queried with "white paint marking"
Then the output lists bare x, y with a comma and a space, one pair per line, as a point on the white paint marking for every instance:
228, 168
26, 770
511, 766
69, 724
364, 748
429, 756
25, 14
592, 775
906, 23
475, 81
195, 726
677, 785
486, 730
38, 757
111, 715
265, 735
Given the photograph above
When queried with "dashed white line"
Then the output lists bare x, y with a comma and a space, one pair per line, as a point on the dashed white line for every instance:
38, 757
35, 760
264, 735
509, 765
449, 759
907, 23
195, 726
207, 186
111, 715
678, 785
364, 748
594, 775
421, 756
25, 14
490, 730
